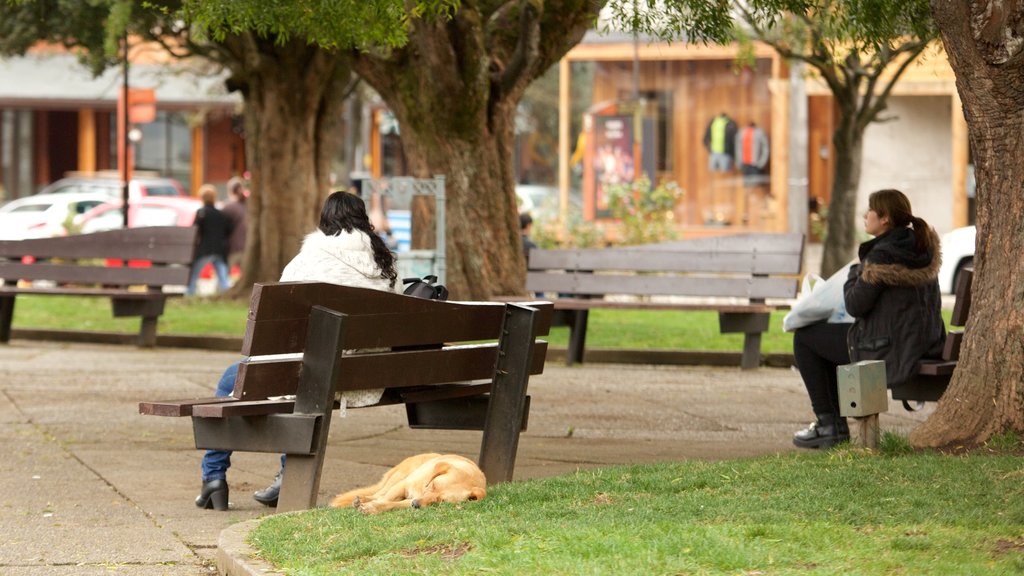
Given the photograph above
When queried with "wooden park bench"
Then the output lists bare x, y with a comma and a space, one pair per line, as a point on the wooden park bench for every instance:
933, 375
80, 265
476, 380
731, 275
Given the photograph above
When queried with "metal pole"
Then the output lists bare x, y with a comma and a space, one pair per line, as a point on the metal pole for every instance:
127, 142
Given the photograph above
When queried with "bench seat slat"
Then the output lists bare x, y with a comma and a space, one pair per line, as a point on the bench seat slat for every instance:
234, 407
929, 368
178, 407
230, 407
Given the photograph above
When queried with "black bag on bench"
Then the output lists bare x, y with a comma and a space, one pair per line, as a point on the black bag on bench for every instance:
426, 287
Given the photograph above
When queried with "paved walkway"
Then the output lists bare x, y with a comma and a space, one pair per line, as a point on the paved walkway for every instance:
90, 487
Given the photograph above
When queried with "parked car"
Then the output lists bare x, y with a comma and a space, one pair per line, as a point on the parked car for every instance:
957, 254
141, 186
542, 201
44, 215
146, 211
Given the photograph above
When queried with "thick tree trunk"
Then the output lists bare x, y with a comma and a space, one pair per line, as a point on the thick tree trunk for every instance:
454, 89
292, 95
986, 396
841, 241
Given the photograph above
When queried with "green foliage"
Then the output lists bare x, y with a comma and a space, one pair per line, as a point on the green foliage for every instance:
1005, 441
893, 444
921, 513
645, 213
328, 23
578, 233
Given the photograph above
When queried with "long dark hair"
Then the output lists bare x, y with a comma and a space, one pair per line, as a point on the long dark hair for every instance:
345, 212
896, 206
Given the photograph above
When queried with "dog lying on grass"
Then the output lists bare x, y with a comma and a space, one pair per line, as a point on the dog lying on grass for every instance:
419, 481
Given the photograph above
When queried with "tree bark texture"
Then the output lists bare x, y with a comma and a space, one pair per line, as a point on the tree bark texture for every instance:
986, 396
454, 89
293, 104
843, 224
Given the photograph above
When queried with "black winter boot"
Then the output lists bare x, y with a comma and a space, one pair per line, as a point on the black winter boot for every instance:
828, 431
269, 495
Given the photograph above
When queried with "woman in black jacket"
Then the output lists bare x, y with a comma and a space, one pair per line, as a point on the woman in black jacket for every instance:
894, 295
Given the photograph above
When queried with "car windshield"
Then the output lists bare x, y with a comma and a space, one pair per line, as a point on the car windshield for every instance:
157, 190
30, 208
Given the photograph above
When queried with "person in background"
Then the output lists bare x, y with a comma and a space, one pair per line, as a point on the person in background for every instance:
236, 211
525, 227
214, 230
344, 249
894, 295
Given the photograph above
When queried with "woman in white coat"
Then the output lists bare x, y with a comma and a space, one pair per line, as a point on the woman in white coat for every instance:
345, 249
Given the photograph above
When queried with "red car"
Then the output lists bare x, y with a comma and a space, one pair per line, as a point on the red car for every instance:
146, 211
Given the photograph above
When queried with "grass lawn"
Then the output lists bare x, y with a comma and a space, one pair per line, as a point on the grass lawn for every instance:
844, 511
643, 329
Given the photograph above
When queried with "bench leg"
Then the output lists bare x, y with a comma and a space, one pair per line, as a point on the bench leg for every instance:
751, 351
6, 315
508, 395
150, 311
577, 337
147, 332
752, 325
301, 483
321, 365
868, 431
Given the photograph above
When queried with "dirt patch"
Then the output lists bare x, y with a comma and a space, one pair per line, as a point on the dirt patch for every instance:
446, 551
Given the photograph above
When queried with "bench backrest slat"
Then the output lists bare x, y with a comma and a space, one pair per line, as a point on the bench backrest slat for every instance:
753, 266
379, 327
962, 305
158, 244
279, 313
787, 243
386, 369
653, 285
112, 275
662, 261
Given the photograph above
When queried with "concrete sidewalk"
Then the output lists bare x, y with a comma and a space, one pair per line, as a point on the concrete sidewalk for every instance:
90, 487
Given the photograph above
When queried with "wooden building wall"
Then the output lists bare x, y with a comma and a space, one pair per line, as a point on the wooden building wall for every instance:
700, 89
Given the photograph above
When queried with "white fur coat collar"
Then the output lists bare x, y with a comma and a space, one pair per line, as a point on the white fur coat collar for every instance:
345, 259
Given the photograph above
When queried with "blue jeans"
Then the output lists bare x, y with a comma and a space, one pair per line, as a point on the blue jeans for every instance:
219, 266
216, 462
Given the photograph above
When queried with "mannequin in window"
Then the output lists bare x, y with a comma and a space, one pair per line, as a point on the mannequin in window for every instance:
719, 142
752, 154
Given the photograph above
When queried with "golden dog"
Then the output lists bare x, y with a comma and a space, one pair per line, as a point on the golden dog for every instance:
419, 481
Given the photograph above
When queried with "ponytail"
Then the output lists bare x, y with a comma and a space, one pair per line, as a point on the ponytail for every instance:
920, 233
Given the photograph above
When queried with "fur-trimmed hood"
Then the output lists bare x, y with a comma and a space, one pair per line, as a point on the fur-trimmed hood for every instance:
893, 259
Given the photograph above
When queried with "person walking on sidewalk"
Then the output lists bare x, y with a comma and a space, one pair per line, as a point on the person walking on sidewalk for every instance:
236, 211
214, 230
894, 295
345, 249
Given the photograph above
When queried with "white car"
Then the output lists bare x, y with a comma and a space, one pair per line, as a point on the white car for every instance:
957, 254
45, 215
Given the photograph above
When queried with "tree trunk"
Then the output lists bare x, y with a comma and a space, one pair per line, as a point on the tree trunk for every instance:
292, 94
986, 395
841, 241
454, 89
